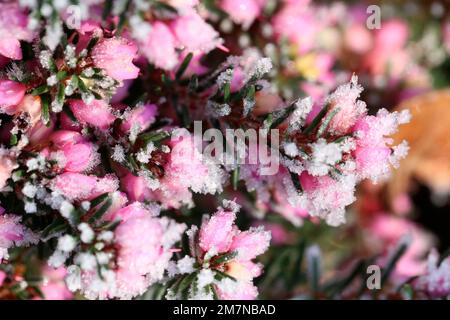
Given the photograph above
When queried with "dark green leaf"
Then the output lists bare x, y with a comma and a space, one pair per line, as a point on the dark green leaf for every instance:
40, 90
101, 211
45, 110
316, 121
184, 65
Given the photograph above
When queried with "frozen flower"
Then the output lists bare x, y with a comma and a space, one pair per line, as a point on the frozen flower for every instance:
219, 237
77, 186
187, 170
97, 113
373, 151
11, 93
7, 165
13, 233
53, 286
80, 155
159, 47
13, 27
243, 11
115, 56
326, 197
217, 232
344, 107
436, 280
143, 254
193, 33
143, 116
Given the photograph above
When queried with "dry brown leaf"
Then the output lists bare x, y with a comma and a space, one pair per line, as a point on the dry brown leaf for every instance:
428, 135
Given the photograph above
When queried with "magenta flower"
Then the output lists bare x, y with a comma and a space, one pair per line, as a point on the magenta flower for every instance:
97, 113
144, 244
220, 237
77, 186
115, 56
436, 281
13, 27
217, 233
12, 233
80, 155
243, 11
159, 48
11, 93
193, 33
142, 117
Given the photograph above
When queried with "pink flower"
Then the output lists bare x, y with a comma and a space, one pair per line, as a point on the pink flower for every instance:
217, 233
2, 277
241, 290
115, 56
194, 33
388, 53
297, 16
242, 11
11, 93
219, 236
358, 38
80, 154
77, 186
436, 281
32, 106
387, 230
251, 243
144, 244
373, 154
97, 113
187, 170
12, 233
13, 27
7, 165
135, 187
142, 116
346, 107
327, 198
159, 48
53, 287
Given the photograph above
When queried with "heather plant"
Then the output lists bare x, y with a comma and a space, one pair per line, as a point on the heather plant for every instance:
108, 190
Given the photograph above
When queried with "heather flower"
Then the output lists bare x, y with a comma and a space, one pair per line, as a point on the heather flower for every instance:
80, 155
223, 247
435, 282
216, 234
187, 170
11, 93
13, 233
243, 11
373, 153
13, 27
77, 186
142, 116
345, 107
31, 106
193, 33
97, 113
326, 197
115, 56
159, 47
144, 243
297, 16
54, 287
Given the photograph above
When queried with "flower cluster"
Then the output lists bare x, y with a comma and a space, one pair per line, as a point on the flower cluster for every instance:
100, 167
